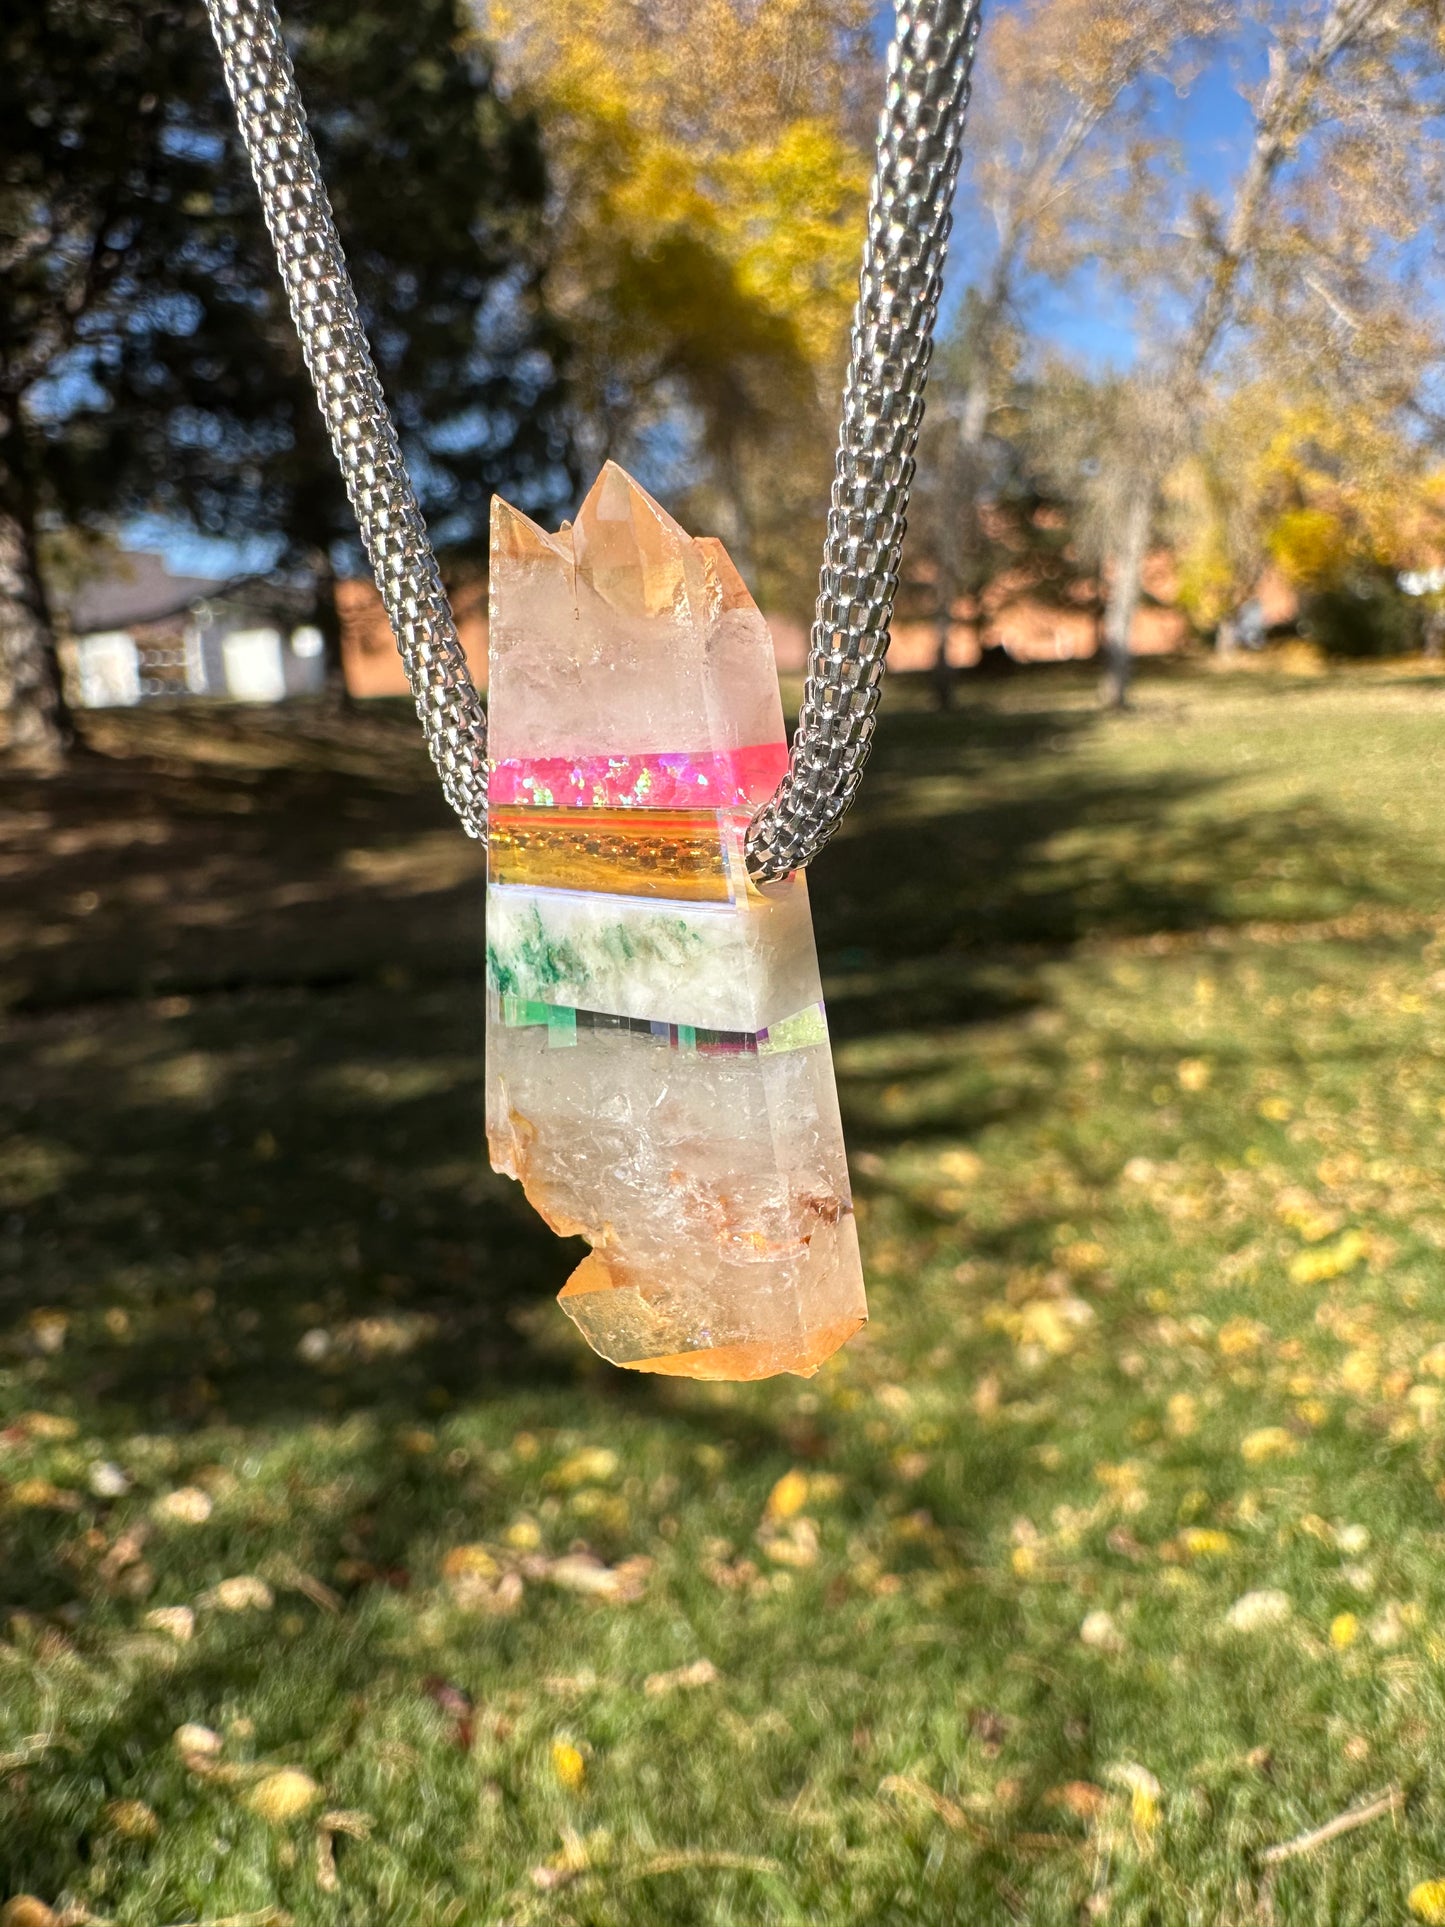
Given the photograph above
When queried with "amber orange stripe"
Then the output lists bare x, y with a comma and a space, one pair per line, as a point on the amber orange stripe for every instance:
673, 854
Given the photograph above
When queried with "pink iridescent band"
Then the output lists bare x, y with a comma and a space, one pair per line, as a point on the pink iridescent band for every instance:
656, 780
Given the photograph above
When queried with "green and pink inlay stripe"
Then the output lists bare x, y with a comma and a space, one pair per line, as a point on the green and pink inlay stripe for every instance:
654, 780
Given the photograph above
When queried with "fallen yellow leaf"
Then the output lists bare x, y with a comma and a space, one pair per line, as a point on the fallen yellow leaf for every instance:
131, 1819
1205, 1542
1183, 1419
1329, 1261
197, 1745
1144, 1796
1240, 1336
592, 1465
1269, 1442
469, 1562
283, 1796
788, 1496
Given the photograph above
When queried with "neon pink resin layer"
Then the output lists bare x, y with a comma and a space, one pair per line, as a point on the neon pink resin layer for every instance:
663, 780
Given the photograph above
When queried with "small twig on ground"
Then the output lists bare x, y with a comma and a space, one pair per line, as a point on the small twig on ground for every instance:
1392, 1800
685, 1858
949, 1811
954, 1817
266, 1917
30, 1748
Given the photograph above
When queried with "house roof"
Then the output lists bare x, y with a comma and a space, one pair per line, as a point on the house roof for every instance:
137, 588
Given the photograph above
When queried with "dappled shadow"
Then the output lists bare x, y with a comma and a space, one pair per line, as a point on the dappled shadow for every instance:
207, 848
312, 1161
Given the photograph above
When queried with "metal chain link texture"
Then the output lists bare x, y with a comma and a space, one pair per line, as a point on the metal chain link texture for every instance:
919, 140
920, 137
363, 436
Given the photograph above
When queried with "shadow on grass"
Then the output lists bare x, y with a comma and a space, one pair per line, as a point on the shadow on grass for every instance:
312, 1154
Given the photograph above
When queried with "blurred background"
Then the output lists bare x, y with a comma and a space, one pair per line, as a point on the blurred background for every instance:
1100, 1579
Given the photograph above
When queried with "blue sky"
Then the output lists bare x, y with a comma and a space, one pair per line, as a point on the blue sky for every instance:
1210, 123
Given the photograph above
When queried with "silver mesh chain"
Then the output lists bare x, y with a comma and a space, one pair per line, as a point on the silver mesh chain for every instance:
919, 140
363, 435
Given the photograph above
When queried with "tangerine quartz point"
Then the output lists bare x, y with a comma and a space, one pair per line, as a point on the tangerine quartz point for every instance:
659, 1077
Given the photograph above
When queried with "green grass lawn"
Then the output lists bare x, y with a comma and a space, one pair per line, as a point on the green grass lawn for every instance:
1111, 1555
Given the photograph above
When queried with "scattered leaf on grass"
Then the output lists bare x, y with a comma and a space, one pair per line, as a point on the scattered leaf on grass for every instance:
283, 1796
1268, 1442
581, 1572
1079, 1797
243, 1594
40, 1495
593, 1465
788, 1496
1204, 1542
904, 1786
1254, 1611
47, 1428
794, 1543
701, 1672
563, 1867
198, 1746
1324, 1262
131, 1820
477, 1583
176, 1622
469, 1562
1100, 1632
27, 1910
107, 1480
1144, 1793
187, 1506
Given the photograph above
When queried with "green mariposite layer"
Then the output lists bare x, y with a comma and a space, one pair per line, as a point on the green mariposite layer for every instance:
719, 967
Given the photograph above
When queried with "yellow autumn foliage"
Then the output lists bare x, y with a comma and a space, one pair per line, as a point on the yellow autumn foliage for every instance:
1322, 486
711, 161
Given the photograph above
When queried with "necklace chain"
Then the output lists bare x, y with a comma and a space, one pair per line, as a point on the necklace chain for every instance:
919, 138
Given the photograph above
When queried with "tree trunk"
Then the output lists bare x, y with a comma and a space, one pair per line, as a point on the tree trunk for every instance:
327, 618
35, 718
737, 537
1124, 587
942, 672
966, 567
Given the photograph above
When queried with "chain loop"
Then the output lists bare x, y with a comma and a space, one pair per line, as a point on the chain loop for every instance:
358, 422
920, 135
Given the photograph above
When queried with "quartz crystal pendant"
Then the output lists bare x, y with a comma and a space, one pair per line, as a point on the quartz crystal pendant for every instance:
658, 1070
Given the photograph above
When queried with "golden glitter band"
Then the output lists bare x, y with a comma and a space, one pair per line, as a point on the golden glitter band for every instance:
673, 854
